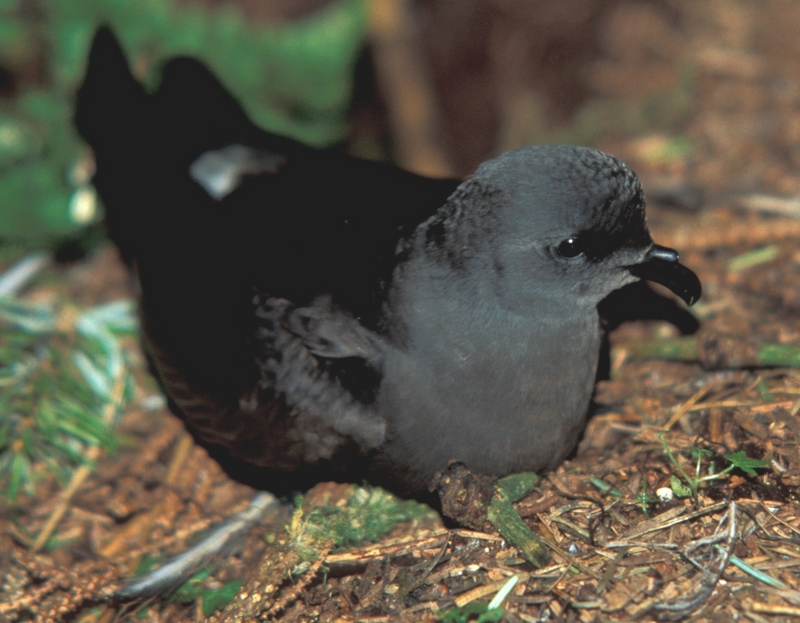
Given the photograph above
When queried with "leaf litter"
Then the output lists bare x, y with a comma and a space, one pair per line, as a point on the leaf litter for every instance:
726, 544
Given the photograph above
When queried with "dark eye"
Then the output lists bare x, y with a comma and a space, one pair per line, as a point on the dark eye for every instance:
571, 247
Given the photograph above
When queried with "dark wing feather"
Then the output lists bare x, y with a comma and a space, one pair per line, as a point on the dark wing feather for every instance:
302, 224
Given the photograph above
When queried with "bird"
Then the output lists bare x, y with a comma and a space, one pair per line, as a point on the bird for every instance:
311, 312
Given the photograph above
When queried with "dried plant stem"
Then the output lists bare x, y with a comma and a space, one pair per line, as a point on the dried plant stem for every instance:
716, 352
407, 89
216, 543
299, 586
509, 524
79, 476
82, 472
679, 608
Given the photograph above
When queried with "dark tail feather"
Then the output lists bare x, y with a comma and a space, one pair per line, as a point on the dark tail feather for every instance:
110, 104
113, 113
204, 115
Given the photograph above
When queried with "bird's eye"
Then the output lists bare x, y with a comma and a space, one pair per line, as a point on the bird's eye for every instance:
571, 247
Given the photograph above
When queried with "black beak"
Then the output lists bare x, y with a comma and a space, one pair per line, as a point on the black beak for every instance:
661, 265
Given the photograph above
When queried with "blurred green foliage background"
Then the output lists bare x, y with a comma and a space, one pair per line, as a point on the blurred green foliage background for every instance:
294, 78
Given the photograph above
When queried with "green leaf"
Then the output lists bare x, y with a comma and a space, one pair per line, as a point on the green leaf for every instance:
604, 487
678, 488
478, 611
117, 316
698, 453
56, 385
29, 318
20, 469
517, 486
741, 461
191, 589
753, 258
18, 141
217, 599
213, 598
93, 376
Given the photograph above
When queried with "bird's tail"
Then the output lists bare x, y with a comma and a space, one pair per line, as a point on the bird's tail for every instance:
190, 113
113, 114
190, 109
111, 105
202, 114
165, 158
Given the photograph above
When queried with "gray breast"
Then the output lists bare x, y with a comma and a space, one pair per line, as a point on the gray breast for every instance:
498, 391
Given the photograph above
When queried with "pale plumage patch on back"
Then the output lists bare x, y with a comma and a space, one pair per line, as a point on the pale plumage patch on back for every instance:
220, 171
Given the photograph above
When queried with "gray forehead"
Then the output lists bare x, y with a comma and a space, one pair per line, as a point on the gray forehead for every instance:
563, 172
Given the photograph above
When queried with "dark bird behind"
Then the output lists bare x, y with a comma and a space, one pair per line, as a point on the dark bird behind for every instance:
310, 311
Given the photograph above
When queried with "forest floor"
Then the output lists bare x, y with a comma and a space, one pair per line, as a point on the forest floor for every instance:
723, 187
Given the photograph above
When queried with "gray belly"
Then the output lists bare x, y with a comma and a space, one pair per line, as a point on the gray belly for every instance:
509, 400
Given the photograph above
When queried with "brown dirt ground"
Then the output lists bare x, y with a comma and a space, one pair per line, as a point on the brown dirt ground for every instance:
722, 76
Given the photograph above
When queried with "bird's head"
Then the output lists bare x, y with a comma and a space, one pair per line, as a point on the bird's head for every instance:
553, 225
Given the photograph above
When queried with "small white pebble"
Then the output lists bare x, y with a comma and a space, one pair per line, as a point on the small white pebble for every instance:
778, 467
83, 205
665, 494
153, 402
573, 549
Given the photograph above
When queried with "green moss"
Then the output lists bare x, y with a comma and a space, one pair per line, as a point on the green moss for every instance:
368, 514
